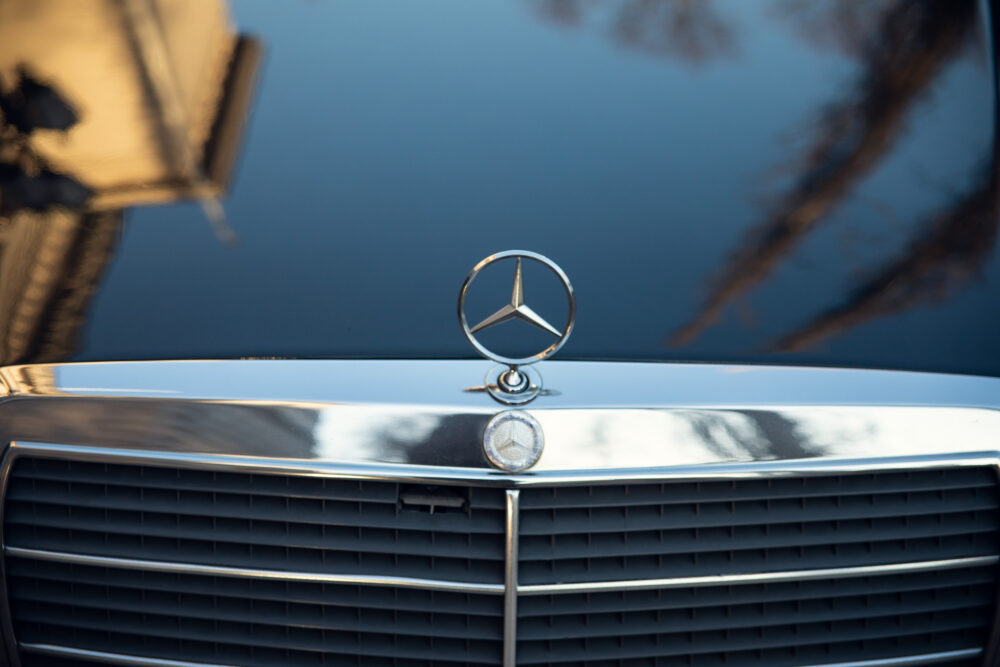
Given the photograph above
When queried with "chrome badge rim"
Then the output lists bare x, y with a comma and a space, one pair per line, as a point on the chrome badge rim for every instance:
513, 441
517, 309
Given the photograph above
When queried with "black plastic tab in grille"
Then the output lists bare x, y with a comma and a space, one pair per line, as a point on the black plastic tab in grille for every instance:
258, 521
670, 530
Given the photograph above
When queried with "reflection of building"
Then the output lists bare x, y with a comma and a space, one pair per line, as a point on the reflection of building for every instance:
50, 265
158, 91
160, 86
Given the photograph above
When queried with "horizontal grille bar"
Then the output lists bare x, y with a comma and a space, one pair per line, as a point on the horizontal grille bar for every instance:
219, 571
138, 661
910, 660
760, 577
104, 657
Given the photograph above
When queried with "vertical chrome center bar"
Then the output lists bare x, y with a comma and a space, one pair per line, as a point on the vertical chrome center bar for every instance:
510, 582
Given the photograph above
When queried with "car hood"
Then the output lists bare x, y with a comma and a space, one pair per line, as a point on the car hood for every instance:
772, 182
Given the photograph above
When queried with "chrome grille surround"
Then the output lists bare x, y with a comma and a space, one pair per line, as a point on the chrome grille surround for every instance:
967, 410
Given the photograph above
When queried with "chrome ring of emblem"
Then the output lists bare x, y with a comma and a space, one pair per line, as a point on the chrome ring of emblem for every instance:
513, 441
516, 309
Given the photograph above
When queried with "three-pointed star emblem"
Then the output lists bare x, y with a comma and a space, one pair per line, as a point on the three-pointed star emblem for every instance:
516, 309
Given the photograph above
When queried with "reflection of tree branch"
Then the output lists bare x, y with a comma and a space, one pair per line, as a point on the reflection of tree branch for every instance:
953, 247
844, 26
687, 29
915, 40
757, 434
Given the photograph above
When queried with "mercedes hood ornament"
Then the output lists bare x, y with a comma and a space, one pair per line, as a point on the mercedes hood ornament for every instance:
513, 383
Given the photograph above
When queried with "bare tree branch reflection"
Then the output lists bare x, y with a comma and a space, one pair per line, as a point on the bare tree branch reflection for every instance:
687, 29
913, 43
953, 248
846, 27
771, 435
690, 30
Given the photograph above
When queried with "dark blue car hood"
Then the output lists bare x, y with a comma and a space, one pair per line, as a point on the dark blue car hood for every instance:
772, 182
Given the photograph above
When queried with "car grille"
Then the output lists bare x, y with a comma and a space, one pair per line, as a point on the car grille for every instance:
218, 567
677, 531
300, 525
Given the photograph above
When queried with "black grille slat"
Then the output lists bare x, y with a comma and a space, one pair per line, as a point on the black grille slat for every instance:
775, 487
638, 518
39, 622
117, 599
555, 606
767, 536
755, 560
375, 597
751, 639
263, 532
735, 615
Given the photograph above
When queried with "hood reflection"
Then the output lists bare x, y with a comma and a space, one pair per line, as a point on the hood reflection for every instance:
104, 106
913, 44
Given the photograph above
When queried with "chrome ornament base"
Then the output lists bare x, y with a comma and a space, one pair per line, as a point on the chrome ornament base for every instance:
526, 391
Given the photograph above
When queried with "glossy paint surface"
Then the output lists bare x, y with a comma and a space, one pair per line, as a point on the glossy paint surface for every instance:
767, 182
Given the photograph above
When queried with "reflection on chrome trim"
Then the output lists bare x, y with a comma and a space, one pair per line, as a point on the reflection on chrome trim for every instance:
108, 658
758, 577
512, 531
607, 417
908, 661
223, 571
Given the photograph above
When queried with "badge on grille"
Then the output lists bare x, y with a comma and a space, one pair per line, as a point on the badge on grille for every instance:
513, 441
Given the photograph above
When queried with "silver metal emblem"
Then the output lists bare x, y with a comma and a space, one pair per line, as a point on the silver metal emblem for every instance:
516, 384
513, 441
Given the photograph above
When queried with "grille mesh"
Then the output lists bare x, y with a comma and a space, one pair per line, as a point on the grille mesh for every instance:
648, 531
256, 521
250, 520
749, 526
573, 534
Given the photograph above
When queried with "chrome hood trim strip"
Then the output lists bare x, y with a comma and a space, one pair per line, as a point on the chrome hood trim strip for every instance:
625, 421
464, 476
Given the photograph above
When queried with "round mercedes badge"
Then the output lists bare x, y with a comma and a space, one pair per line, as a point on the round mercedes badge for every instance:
513, 441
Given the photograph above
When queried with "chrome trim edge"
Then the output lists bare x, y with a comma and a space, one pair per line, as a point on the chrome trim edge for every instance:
494, 478
908, 661
6, 616
510, 580
249, 573
991, 652
759, 577
57, 651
